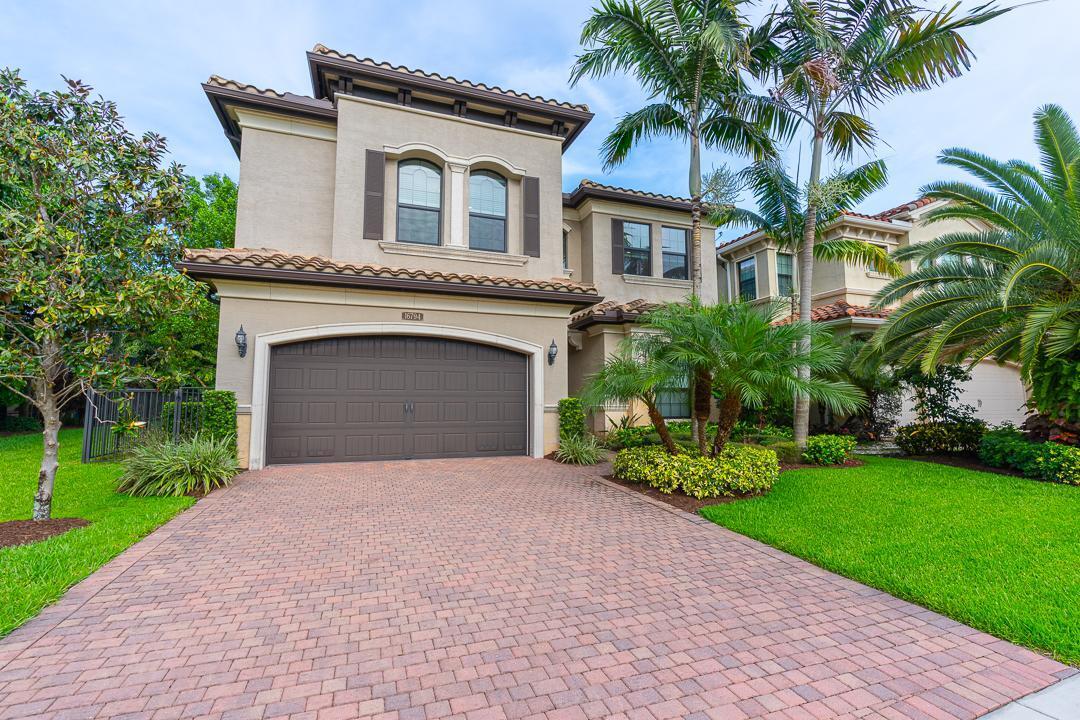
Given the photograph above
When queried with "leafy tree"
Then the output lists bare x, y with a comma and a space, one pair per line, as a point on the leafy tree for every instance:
750, 357
87, 243
1010, 289
687, 56
828, 62
937, 395
211, 211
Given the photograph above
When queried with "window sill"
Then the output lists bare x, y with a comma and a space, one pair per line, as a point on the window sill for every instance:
450, 252
878, 275
656, 282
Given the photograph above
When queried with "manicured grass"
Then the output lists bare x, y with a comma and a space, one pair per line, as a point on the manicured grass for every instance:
32, 576
999, 553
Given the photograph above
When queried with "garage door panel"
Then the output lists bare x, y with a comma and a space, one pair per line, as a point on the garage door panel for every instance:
410, 397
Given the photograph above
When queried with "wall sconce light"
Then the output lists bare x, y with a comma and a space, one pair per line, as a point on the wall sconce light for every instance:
241, 341
553, 351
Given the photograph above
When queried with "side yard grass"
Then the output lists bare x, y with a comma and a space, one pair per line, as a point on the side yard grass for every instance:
999, 553
32, 576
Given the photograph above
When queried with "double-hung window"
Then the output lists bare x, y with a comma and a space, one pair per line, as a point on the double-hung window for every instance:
487, 211
747, 279
637, 249
419, 218
785, 274
674, 244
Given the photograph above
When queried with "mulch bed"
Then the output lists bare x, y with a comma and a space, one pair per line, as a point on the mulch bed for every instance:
22, 532
962, 461
677, 499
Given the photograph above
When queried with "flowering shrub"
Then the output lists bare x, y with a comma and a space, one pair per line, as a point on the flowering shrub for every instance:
1058, 463
738, 470
828, 449
1006, 447
934, 438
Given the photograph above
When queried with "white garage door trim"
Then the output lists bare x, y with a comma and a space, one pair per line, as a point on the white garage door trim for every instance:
261, 371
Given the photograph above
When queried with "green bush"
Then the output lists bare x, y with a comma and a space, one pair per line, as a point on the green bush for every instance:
219, 416
787, 451
20, 424
828, 449
1058, 463
738, 470
748, 431
571, 419
935, 438
583, 450
162, 467
190, 417
631, 437
1006, 447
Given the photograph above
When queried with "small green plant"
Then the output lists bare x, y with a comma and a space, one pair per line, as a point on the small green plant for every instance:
165, 468
579, 451
571, 419
1006, 447
828, 449
628, 437
737, 470
20, 424
1058, 463
935, 438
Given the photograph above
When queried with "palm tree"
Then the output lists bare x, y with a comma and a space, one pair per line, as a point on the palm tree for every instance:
828, 62
751, 358
1010, 291
637, 371
781, 213
686, 54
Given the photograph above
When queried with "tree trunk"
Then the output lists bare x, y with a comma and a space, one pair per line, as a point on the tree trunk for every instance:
660, 424
695, 212
702, 406
50, 414
730, 407
806, 286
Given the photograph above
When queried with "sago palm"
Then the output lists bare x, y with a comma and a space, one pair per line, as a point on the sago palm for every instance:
1010, 290
752, 360
781, 211
687, 56
827, 62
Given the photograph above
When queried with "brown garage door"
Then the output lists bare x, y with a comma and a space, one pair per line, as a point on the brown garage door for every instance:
378, 398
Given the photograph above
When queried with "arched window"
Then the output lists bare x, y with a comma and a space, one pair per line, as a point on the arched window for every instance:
419, 217
487, 211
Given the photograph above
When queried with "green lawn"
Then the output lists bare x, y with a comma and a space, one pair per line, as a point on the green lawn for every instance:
32, 576
999, 553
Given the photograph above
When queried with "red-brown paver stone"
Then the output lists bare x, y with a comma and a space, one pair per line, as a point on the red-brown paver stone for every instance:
485, 589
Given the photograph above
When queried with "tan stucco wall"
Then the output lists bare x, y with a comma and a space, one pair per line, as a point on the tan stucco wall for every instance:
286, 195
270, 307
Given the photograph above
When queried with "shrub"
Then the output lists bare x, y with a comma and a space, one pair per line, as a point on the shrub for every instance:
571, 419
190, 417
739, 469
19, 424
631, 437
940, 437
744, 430
787, 452
583, 450
1058, 463
159, 467
219, 416
1006, 447
828, 449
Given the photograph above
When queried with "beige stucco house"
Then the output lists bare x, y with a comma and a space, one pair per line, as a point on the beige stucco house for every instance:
410, 278
754, 268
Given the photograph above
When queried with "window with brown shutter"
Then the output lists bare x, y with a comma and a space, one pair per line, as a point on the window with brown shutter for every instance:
374, 192
530, 205
618, 245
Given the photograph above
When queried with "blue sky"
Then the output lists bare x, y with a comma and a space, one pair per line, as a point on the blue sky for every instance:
151, 56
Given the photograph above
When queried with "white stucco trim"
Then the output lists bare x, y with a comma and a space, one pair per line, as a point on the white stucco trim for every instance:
260, 387
397, 152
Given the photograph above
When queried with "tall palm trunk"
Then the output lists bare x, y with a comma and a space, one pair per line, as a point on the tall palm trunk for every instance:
702, 406
806, 285
700, 393
730, 407
662, 430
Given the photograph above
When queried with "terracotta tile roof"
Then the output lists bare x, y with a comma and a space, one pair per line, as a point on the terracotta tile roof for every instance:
218, 81
612, 311
840, 310
906, 207
591, 188
323, 50
269, 259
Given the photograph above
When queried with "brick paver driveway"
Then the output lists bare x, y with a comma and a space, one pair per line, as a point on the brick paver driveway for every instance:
484, 589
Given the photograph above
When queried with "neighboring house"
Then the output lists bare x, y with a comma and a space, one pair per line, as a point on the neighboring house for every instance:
754, 268
410, 278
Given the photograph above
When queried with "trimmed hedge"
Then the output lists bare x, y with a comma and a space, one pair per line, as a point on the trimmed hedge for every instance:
1006, 447
219, 415
571, 418
828, 449
739, 470
940, 438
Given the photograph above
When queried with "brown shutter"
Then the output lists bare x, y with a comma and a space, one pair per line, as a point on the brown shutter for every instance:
374, 193
530, 205
618, 245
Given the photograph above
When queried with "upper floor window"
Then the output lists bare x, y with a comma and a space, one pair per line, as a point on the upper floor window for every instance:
565, 251
637, 249
487, 211
674, 242
748, 279
419, 218
785, 274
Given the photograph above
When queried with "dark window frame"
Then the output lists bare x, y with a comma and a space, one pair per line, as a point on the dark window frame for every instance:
566, 251
790, 276
503, 218
629, 252
739, 278
438, 211
685, 254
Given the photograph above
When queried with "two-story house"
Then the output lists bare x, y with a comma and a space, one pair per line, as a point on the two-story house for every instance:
753, 268
408, 278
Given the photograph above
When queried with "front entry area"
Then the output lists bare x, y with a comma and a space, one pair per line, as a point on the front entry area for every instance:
394, 397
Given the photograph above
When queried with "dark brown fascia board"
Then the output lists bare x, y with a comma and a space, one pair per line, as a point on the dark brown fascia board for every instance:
611, 317
208, 271
581, 193
221, 97
317, 61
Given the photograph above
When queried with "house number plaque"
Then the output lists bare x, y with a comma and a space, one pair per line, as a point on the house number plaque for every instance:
412, 316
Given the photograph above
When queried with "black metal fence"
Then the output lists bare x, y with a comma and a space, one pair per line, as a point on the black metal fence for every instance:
117, 419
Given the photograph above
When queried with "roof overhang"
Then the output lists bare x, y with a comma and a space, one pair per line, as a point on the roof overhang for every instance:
581, 193
222, 99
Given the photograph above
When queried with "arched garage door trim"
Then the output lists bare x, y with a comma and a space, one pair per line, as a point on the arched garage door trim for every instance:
261, 372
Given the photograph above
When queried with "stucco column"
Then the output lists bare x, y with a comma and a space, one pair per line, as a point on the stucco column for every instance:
457, 204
